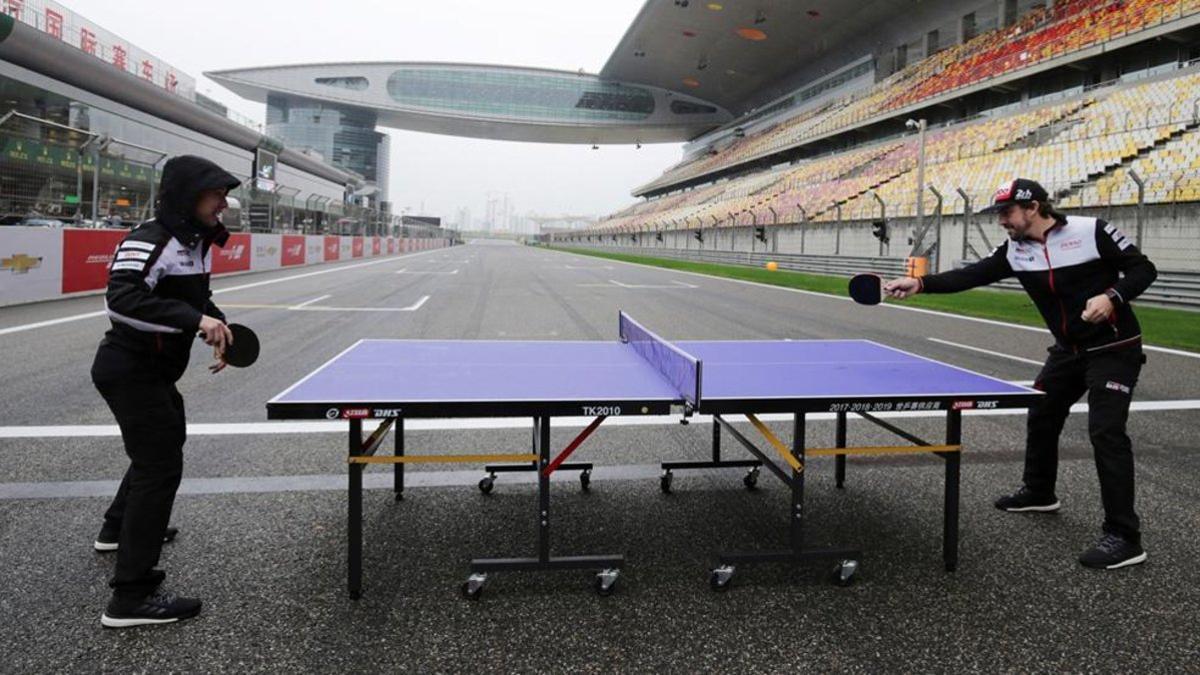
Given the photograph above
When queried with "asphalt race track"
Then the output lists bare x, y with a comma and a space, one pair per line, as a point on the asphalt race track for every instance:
262, 507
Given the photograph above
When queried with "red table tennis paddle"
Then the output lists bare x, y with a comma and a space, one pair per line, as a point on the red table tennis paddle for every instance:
866, 289
243, 351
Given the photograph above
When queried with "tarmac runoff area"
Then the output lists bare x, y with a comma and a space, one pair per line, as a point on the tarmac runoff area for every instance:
263, 507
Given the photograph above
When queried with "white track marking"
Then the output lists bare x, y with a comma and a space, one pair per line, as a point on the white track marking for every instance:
311, 308
51, 322
92, 315
339, 427
673, 284
985, 351
310, 302
613, 283
428, 274
827, 296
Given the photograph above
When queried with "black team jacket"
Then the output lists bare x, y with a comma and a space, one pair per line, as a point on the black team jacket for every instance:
158, 280
1081, 258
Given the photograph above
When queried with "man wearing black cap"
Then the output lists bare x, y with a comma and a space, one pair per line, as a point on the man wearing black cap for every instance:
1082, 273
158, 299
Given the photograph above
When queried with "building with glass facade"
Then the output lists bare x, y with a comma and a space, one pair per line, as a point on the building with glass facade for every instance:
481, 101
344, 136
82, 141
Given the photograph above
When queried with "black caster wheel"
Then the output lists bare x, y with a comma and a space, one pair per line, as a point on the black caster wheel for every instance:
845, 573
585, 480
664, 481
605, 582
472, 588
399, 496
750, 480
719, 578
486, 484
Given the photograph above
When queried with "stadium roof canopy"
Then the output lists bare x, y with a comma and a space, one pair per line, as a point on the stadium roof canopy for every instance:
727, 51
487, 101
683, 68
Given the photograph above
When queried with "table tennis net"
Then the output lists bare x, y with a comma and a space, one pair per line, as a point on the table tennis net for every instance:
678, 367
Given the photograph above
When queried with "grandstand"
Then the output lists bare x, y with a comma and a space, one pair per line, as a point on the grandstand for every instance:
1097, 99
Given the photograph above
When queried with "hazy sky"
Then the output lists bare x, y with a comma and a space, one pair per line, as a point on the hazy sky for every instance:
442, 172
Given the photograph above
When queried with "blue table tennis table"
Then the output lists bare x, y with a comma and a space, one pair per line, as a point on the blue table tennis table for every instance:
641, 374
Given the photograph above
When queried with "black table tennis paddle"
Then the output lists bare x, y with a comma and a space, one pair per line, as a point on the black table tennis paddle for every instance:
866, 289
243, 351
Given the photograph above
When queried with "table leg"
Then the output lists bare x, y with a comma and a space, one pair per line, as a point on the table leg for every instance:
354, 519
953, 466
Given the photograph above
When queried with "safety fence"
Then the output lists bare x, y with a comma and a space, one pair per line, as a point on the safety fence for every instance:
42, 263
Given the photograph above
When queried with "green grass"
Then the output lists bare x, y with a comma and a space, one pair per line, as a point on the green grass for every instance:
1160, 326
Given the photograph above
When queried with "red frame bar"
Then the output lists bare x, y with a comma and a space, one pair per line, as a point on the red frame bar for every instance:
562, 456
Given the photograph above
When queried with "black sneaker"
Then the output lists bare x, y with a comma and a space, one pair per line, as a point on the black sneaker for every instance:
158, 607
1113, 552
107, 541
1028, 500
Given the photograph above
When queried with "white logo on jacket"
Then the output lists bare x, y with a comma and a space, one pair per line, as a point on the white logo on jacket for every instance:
1071, 244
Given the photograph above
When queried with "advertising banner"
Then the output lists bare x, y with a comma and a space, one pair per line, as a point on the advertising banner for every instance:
376, 246
268, 253
346, 248
86, 255
356, 247
30, 264
234, 256
293, 249
391, 246
332, 248
314, 249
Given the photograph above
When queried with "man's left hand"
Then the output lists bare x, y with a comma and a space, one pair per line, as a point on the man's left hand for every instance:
1098, 309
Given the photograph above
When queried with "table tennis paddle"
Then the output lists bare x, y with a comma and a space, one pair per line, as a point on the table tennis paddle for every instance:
243, 351
866, 289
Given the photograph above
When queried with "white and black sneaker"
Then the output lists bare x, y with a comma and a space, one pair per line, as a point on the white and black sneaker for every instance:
1027, 500
1113, 552
157, 608
108, 541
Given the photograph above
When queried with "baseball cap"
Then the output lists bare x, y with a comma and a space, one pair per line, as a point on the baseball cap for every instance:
1019, 190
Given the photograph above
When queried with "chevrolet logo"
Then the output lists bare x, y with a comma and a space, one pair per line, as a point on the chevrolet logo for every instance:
20, 263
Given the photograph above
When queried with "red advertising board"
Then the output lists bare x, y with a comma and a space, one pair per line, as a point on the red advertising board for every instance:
234, 256
375, 246
332, 248
391, 246
86, 255
293, 249
356, 247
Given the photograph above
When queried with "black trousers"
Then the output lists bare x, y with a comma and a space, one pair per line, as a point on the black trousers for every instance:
1108, 378
151, 417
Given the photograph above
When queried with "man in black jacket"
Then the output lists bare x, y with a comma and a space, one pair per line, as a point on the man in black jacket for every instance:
158, 298
1081, 273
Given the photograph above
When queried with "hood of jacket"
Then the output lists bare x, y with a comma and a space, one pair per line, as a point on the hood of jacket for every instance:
183, 179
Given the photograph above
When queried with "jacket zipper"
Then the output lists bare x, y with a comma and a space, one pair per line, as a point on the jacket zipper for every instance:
1062, 311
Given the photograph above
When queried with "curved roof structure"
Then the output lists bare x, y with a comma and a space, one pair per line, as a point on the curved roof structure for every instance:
487, 101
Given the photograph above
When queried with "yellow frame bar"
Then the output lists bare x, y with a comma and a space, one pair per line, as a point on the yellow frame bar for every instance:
440, 459
882, 450
779, 446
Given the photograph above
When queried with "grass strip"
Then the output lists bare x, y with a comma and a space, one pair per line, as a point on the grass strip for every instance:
1160, 326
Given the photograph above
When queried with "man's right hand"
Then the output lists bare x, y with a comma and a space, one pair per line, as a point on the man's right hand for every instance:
216, 333
903, 287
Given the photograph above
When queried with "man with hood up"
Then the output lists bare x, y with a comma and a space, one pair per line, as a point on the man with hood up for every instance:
158, 298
